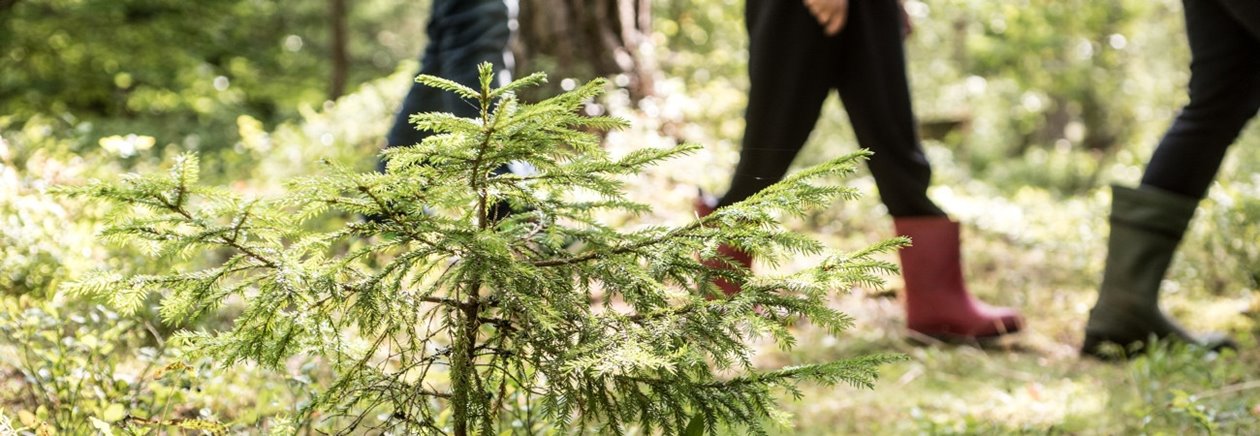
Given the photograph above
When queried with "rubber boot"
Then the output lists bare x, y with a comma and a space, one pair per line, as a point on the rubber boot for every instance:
1146, 226
937, 301
705, 205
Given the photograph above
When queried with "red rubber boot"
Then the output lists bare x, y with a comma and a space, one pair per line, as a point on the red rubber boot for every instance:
937, 301
704, 206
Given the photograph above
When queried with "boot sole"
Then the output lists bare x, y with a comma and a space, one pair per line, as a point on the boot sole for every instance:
1094, 345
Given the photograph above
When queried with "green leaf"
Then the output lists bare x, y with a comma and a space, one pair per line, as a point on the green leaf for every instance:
114, 413
101, 426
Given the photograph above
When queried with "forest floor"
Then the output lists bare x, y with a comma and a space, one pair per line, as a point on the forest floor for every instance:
1023, 248
1034, 381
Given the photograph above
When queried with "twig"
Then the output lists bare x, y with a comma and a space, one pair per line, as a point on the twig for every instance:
1230, 389
670, 235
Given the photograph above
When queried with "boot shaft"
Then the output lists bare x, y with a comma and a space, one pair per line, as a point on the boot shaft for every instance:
1152, 210
1146, 227
938, 302
934, 256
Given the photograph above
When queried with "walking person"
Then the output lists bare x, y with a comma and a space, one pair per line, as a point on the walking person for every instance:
799, 52
462, 35
1147, 222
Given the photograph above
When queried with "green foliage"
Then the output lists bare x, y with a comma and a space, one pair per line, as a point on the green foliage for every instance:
182, 72
75, 375
1168, 380
47, 241
1228, 229
1006, 158
1046, 92
80, 368
42, 241
437, 316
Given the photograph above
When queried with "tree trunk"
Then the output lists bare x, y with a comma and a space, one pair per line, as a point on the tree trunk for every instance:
340, 56
583, 39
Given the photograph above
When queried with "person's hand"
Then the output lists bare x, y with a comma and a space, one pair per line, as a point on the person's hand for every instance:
831, 14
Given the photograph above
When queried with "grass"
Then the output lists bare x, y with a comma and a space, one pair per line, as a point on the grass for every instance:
1043, 256
1033, 382
1025, 247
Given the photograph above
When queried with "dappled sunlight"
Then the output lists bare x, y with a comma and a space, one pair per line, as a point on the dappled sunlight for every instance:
1028, 114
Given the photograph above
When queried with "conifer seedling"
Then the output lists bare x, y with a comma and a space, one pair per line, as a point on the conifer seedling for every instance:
444, 319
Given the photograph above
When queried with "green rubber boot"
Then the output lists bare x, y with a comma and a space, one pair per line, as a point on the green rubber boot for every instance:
1146, 226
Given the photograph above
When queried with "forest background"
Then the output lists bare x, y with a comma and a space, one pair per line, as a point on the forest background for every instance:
1029, 110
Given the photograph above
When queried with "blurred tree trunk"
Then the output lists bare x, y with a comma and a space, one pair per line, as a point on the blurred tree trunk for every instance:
340, 56
584, 39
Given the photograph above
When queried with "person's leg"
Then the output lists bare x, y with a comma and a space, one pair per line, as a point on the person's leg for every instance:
462, 34
787, 68
473, 32
1147, 223
1246, 13
1224, 95
1146, 226
419, 99
877, 96
788, 81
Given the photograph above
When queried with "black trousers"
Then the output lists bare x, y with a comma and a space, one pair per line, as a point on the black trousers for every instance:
462, 34
1224, 95
793, 65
